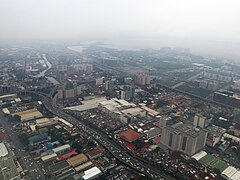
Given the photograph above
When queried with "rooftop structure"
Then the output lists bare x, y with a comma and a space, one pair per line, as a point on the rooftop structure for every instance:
83, 166
231, 173
65, 174
3, 150
42, 120
64, 122
61, 149
120, 109
184, 137
116, 104
77, 160
150, 111
6, 111
37, 139
88, 104
132, 111
95, 153
59, 167
152, 133
199, 155
29, 114
130, 135
49, 157
236, 139
67, 155
91, 173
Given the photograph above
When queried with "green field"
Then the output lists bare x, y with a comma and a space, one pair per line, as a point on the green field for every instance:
195, 90
213, 162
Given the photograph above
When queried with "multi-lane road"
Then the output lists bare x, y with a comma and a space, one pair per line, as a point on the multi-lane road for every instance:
114, 148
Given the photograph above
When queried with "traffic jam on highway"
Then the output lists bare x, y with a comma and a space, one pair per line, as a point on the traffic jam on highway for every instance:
117, 152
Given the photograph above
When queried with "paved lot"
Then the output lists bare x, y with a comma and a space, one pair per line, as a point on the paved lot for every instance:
35, 172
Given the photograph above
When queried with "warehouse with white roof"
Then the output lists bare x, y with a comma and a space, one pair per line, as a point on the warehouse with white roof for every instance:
92, 173
231, 173
61, 149
3, 150
199, 155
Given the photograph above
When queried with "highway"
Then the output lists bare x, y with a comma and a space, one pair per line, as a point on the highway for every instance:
189, 79
115, 149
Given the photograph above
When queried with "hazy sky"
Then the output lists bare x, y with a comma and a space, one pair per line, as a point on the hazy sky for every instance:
208, 26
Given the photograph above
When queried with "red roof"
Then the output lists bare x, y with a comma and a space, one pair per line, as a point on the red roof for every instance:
129, 145
130, 135
67, 155
157, 139
98, 150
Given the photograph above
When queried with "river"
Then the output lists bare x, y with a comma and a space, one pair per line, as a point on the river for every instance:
42, 73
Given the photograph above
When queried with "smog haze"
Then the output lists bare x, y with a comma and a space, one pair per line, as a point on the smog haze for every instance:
208, 27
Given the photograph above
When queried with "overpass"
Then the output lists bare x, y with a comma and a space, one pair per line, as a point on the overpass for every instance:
113, 147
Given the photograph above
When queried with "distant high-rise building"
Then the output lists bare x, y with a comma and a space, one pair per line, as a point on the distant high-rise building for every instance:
208, 84
84, 68
99, 81
109, 85
184, 137
68, 91
78, 90
218, 74
162, 122
199, 121
127, 92
62, 67
142, 79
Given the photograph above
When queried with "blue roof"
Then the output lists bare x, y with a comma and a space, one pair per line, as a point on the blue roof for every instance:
37, 138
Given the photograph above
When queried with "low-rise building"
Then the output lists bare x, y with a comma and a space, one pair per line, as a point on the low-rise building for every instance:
62, 149
67, 155
29, 115
95, 153
3, 150
153, 133
65, 174
59, 167
83, 166
130, 135
231, 173
91, 173
39, 139
77, 160
49, 157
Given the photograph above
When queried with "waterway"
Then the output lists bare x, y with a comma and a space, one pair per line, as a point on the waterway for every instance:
79, 49
42, 73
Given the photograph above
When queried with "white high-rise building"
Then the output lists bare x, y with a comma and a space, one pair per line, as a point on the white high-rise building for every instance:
184, 137
199, 121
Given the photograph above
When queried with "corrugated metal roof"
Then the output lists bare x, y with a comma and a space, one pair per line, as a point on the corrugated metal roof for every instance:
199, 155
90, 173
3, 150
78, 159
61, 148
